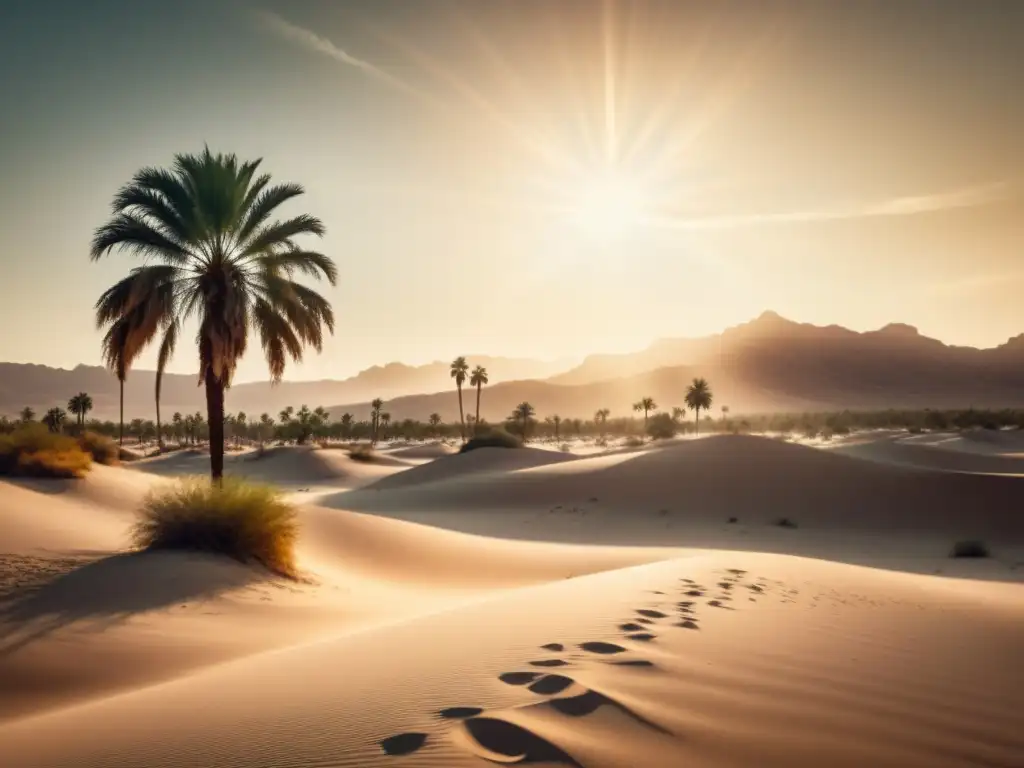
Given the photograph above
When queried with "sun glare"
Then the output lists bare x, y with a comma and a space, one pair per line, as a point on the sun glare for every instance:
608, 208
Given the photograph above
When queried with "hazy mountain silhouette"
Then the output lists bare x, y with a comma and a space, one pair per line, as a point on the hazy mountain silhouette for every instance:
42, 387
767, 364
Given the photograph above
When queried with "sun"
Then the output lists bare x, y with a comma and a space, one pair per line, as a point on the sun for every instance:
608, 207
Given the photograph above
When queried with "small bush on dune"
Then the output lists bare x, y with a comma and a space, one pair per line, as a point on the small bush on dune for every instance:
34, 451
634, 442
662, 427
102, 449
497, 438
362, 453
245, 521
970, 548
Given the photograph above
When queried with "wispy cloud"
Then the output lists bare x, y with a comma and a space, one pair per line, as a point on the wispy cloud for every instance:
965, 197
311, 41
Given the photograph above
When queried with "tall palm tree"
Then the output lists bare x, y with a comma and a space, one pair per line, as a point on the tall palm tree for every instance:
698, 396
266, 427
459, 369
375, 407
212, 251
556, 422
601, 420
646, 405
176, 421
385, 419
477, 379
523, 413
120, 348
54, 419
80, 405
435, 420
346, 425
27, 414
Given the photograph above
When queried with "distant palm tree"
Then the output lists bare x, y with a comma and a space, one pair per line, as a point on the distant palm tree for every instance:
120, 349
677, 413
137, 427
212, 251
601, 420
385, 419
266, 428
80, 405
435, 419
54, 419
240, 423
286, 414
478, 379
27, 414
725, 412
646, 405
346, 425
375, 408
698, 396
176, 420
556, 422
523, 413
459, 369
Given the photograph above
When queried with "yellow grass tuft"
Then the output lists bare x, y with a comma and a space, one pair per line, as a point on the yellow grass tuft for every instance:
102, 449
245, 521
34, 451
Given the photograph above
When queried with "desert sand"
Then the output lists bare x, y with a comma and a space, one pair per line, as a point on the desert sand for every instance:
531, 607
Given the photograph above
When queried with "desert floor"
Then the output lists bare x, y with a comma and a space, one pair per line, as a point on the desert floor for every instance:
629, 608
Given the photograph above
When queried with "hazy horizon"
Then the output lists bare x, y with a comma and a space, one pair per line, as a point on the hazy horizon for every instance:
541, 181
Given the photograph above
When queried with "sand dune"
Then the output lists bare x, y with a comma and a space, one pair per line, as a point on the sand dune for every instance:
425, 451
409, 645
952, 454
756, 480
479, 462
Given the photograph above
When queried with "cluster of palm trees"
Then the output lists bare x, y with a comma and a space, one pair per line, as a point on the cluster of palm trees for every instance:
698, 397
459, 370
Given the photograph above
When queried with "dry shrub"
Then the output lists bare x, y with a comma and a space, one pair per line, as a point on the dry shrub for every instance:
495, 438
970, 548
634, 442
33, 451
245, 521
362, 453
102, 449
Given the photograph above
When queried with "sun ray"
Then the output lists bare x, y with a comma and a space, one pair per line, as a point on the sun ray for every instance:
608, 37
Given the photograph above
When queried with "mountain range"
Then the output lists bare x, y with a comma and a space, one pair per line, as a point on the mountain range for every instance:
767, 364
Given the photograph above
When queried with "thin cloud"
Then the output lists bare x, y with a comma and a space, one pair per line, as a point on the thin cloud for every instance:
313, 42
967, 197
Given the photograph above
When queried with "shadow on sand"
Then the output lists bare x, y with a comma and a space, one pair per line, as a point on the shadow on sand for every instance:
107, 591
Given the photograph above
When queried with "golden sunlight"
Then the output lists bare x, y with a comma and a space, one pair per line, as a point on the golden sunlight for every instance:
608, 207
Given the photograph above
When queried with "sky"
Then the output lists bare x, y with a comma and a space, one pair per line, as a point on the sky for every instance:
538, 179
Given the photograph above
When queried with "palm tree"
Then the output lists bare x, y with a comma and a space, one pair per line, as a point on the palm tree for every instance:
646, 405
213, 252
459, 369
27, 414
375, 407
435, 420
601, 419
120, 348
477, 379
556, 422
80, 405
54, 419
385, 419
346, 425
523, 413
266, 428
698, 396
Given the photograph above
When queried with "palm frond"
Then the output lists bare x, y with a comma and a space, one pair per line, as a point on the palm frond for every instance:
152, 205
280, 233
170, 341
127, 232
258, 209
308, 263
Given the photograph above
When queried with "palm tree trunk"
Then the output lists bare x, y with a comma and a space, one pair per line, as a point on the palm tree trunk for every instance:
215, 418
120, 426
476, 420
462, 416
159, 440
696, 422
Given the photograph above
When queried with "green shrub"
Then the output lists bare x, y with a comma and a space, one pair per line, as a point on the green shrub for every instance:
661, 427
32, 450
102, 449
970, 548
245, 521
495, 438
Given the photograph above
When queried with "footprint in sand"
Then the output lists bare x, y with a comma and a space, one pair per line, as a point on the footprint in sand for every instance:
553, 647
460, 713
403, 743
596, 646
646, 621
642, 636
694, 593
551, 684
518, 678
549, 663
632, 663
630, 626
499, 741
688, 624
651, 613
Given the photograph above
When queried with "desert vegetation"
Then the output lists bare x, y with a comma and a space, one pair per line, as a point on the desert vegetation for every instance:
245, 521
34, 450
